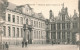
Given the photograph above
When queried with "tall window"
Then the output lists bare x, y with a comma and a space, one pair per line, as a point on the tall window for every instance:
26, 21
35, 34
63, 25
58, 26
63, 17
58, 35
9, 31
21, 32
17, 32
53, 35
9, 17
39, 24
13, 18
39, 34
68, 34
21, 20
53, 27
63, 35
17, 19
32, 22
4, 31
13, 31
75, 25
68, 25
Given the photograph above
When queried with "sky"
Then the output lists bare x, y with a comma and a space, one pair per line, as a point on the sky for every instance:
43, 6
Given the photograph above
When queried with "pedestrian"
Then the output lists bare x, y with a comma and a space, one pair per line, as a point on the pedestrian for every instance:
25, 44
3, 46
22, 44
52, 42
7, 46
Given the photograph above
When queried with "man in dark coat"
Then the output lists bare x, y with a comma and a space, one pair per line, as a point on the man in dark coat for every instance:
22, 44
7, 46
25, 44
52, 42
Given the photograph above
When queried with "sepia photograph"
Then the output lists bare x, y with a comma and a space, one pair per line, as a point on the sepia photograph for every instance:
39, 24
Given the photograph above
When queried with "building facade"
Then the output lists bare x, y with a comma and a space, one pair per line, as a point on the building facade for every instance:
63, 28
15, 17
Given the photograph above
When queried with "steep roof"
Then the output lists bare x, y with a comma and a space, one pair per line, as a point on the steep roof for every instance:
11, 6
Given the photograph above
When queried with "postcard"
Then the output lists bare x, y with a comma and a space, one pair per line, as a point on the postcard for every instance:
39, 24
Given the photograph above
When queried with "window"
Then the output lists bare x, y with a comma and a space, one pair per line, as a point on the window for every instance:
63, 25
68, 25
63, 17
63, 35
21, 32
17, 19
68, 34
58, 26
53, 35
35, 34
53, 27
58, 35
75, 25
13, 31
39, 34
4, 31
32, 22
17, 32
13, 18
39, 24
26, 21
9, 17
21, 20
9, 31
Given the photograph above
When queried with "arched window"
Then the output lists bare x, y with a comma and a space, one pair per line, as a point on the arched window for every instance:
26, 21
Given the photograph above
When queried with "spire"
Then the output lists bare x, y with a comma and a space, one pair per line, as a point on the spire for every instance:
51, 15
63, 5
74, 11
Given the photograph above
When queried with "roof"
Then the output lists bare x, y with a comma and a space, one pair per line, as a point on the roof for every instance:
15, 7
11, 6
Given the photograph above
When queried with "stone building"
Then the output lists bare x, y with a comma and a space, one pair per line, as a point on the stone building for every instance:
15, 17
63, 28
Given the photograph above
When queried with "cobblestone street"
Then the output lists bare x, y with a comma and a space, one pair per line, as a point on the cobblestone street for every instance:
45, 47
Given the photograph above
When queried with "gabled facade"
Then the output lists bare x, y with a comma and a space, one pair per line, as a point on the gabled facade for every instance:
63, 28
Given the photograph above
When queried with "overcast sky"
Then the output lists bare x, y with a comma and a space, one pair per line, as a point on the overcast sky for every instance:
46, 5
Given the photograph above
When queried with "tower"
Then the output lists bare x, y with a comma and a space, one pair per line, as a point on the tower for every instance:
51, 17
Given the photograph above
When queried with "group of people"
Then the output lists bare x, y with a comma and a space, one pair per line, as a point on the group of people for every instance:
24, 44
5, 46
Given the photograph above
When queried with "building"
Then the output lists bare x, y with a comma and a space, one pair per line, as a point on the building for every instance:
63, 28
15, 17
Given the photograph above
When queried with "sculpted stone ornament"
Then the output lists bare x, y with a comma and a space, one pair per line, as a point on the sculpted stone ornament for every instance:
3, 6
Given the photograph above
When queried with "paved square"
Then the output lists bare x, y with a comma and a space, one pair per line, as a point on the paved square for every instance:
45, 47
